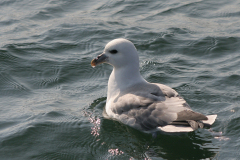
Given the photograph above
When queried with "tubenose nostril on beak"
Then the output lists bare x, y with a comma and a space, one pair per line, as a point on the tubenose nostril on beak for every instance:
99, 56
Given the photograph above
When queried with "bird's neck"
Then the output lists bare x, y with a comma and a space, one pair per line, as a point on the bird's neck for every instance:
123, 78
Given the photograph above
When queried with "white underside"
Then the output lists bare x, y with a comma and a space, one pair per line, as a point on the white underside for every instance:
175, 128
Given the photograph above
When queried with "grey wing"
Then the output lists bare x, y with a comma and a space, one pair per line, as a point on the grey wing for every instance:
140, 112
185, 116
149, 110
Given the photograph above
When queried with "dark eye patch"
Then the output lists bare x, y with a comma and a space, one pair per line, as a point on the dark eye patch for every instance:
114, 51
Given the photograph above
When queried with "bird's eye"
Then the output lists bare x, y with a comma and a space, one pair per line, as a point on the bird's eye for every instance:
114, 51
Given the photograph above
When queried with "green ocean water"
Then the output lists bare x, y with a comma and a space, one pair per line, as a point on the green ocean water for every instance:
51, 99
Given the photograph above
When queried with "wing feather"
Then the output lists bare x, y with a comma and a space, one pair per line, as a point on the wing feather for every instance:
150, 107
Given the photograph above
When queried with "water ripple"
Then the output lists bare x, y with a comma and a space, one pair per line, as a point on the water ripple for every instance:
47, 83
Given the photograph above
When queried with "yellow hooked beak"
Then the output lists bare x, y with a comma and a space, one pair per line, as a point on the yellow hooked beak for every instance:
100, 59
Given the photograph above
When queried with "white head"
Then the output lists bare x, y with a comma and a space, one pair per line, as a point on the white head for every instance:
118, 53
123, 56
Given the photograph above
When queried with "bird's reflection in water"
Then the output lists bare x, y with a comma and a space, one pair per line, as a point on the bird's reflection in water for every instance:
139, 145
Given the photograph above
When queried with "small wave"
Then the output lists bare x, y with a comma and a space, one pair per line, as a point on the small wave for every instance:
10, 86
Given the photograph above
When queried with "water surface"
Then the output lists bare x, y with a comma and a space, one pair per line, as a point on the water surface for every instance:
52, 99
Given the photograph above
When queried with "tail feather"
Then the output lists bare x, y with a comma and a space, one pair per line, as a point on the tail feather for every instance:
183, 128
211, 119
